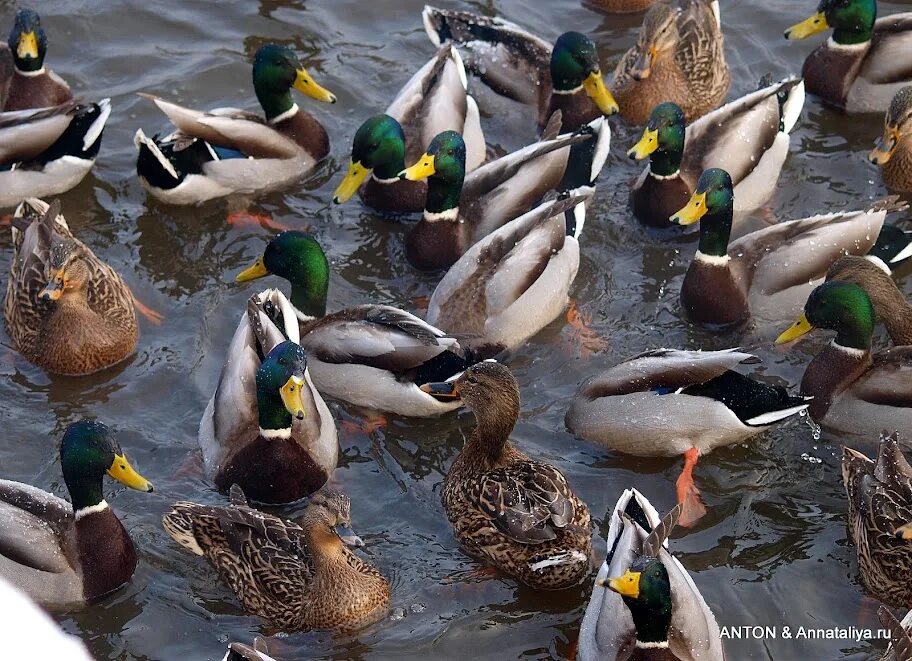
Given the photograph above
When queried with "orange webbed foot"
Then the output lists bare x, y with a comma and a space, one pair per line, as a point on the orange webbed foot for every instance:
368, 425
151, 315
581, 332
248, 219
688, 494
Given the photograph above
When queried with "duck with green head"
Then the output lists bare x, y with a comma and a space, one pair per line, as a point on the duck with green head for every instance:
30, 84
67, 555
371, 355
864, 63
226, 150
767, 273
433, 101
855, 392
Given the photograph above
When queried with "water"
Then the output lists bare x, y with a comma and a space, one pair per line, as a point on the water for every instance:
773, 548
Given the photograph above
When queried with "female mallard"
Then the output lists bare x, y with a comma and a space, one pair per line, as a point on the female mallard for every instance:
25, 83
433, 101
864, 63
293, 575
894, 151
523, 67
765, 273
517, 514
370, 355
901, 635
665, 403
226, 150
515, 281
748, 138
66, 556
678, 57
890, 305
266, 427
644, 604
66, 310
880, 502
854, 392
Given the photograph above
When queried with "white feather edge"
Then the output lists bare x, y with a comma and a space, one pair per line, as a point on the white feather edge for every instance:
141, 138
905, 253
775, 416
460, 66
792, 107
98, 125
429, 27
615, 524
602, 146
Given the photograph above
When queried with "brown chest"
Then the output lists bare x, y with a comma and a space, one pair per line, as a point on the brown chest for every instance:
576, 109
710, 296
829, 73
106, 553
307, 133
27, 92
400, 196
831, 371
76, 340
435, 245
657, 200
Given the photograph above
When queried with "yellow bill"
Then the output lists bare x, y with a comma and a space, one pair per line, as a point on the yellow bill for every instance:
596, 90
123, 472
693, 212
647, 145
355, 176
258, 270
796, 330
27, 46
292, 398
627, 585
423, 169
905, 532
883, 152
306, 85
808, 27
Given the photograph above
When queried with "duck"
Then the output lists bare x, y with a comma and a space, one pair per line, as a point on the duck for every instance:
69, 555
266, 427
226, 150
515, 281
644, 604
893, 152
863, 64
65, 309
512, 512
893, 249
517, 64
748, 137
671, 402
901, 634
879, 501
459, 211
856, 392
25, 82
295, 575
434, 100
371, 355
679, 56
766, 274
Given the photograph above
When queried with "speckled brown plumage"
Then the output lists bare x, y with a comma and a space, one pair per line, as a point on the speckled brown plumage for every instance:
620, 6
889, 303
897, 139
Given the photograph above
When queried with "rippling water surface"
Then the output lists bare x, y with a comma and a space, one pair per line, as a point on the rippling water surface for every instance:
773, 549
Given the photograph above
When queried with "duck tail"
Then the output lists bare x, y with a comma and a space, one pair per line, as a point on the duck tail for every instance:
587, 158
152, 164
791, 101
889, 204
789, 406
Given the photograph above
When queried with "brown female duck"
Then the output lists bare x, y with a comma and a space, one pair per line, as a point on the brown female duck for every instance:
894, 151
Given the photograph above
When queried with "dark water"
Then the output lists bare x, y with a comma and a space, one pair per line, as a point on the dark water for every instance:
773, 549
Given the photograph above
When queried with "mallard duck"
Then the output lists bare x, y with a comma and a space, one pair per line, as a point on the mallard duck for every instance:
515, 281
894, 150
678, 57
766, 273
512, 512
854, 392
266, 427
890, 305
748, 138
524, 67
666, 402
293, 575
25, 83
461, 210
433, 101
880, 500
374, 356
226, 150
644, 604
864, 63
901, 635
66, 310
66, 556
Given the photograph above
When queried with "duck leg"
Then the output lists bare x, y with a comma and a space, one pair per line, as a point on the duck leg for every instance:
153, 316
688, 494
581, 331
369, 424
248, 219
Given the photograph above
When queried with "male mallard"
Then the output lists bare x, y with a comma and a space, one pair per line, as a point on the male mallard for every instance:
864, 63
644, 604
901, 634
665, 403
523, 67
433, 101
25, 83
370, 355
894, 151
748, 138
66, 310
266, 427
766, 273
226, 150
65, 556
293, 575
855, 393
880, 501
506, 509
889, 303
515, 281
679, 57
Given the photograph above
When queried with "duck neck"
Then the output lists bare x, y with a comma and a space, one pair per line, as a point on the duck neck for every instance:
494, 424
855, 333
394, 163
275, 104
666, 161
85, 492
324, 545
443, 194
715, 230
652, 620
273, 415
309, 288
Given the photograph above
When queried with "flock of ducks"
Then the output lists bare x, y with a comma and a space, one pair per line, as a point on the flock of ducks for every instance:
505, 234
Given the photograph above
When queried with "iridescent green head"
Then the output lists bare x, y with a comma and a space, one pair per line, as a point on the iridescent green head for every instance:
646, 590
279, 386
852, 21
662, 140
839, 306
443, 165
378, 147
712, 204
575, 66
276, 69
27, 41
